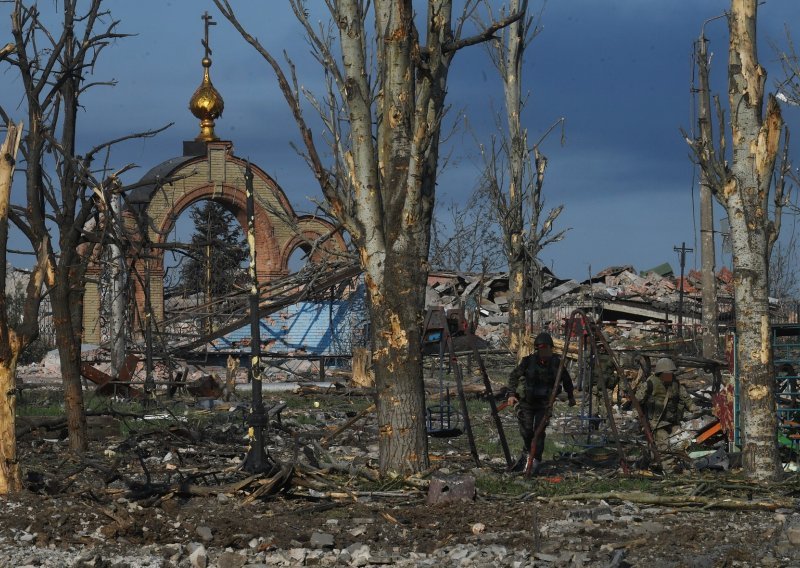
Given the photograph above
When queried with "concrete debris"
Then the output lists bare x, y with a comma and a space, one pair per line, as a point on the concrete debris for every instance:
588, 533
204, 533
321, 540
698, 424
560, 290
652, 296
229, 559
199, 558
600, 513
793, 534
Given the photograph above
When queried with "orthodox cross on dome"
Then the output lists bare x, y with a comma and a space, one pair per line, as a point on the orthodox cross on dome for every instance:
206, 102
208, 22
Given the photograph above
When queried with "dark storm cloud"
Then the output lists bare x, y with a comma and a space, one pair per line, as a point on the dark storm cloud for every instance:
619, 71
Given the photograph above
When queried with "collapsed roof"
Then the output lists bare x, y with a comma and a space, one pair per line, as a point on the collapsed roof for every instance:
618, 291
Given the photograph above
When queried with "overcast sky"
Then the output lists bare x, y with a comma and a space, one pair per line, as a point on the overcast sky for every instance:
619, 71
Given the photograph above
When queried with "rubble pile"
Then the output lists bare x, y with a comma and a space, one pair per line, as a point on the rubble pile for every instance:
661, 290
620, 290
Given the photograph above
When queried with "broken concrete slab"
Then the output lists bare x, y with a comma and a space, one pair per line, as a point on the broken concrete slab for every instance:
560, 290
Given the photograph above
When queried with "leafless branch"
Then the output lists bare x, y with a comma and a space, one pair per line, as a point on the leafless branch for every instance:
137, 135
781, 194
329, 188
486, 35
7, 50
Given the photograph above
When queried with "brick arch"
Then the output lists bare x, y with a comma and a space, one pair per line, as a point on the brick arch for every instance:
268, 257
311, 229
218, 175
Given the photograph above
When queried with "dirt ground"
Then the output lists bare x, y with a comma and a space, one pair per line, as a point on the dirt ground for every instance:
163, 486
393, 529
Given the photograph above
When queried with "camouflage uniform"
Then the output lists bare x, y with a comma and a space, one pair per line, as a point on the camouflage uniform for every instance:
605, 378
532, 382
664, 405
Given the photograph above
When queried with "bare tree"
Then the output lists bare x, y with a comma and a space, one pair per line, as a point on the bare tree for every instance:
783, 271
53, 66
789, 86
514, 175
383, 112
783, 263
744, 185
465, 237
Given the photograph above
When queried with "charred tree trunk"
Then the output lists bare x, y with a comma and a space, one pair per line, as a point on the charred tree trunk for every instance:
10, 480
52, 80
67, 292
14, 341
64, 303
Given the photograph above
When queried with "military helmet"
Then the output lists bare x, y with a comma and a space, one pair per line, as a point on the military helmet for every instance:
543, 338
665, 365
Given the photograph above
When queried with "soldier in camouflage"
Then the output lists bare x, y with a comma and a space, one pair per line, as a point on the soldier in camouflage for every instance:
529, 388
664, 400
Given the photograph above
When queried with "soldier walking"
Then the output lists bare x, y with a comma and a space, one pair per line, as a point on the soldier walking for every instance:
529, 388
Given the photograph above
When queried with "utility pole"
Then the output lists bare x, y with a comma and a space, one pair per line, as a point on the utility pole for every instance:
682, 251
709, 318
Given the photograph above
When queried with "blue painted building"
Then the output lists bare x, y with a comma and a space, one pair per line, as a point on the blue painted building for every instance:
327, 328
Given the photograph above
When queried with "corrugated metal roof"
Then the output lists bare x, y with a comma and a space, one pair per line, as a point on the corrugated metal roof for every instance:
315, 327
662, 270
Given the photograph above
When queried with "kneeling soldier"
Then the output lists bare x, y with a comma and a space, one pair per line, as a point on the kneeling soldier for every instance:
664, 401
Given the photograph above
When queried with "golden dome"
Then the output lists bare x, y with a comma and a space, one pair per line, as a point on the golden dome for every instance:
207, 105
